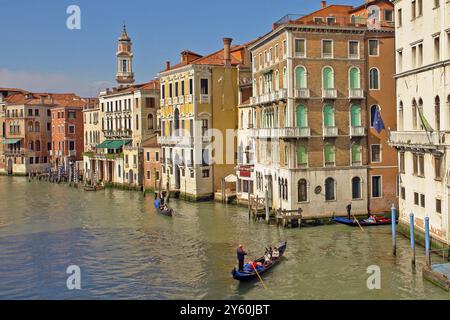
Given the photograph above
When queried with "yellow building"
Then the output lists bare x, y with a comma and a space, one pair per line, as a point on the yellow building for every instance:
199, 96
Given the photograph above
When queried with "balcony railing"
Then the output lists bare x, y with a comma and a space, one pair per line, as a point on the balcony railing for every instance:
181, 99
330, 132
175, 140
14, 153
72, 153
329, 93
430, 140
357, 131
162, 102
269, 97
175, 100
356, 93
189, 98
204, 98
294, 132
302, 93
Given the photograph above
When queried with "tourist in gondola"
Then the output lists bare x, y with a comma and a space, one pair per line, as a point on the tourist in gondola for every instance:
275, 254
241, 256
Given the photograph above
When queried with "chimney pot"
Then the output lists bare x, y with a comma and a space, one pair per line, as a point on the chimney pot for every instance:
324, 4
227, 51
167, 65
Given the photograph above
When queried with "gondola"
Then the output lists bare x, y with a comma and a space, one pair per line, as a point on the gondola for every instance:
364, 222
250, 275
166, 212
92, 188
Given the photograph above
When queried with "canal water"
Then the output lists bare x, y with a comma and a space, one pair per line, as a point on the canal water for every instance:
126, 251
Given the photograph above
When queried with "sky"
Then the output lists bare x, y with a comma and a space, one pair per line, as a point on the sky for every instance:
39, 53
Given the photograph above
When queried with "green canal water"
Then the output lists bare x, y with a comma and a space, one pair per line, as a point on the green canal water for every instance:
126, 251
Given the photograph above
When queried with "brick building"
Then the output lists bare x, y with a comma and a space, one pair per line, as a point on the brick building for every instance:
152, 164
319, 82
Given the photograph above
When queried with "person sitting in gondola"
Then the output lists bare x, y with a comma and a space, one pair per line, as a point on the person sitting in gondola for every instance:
267, 259
275, 254
372, 219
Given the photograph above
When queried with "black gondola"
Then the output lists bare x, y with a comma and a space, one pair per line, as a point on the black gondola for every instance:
364, 222
166, 212
250, 275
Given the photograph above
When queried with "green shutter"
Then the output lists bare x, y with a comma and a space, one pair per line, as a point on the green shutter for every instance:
301, 117
355, 115
328, 78
300, 78
329, 153
356, 152
354, 79
328, 116
302, 155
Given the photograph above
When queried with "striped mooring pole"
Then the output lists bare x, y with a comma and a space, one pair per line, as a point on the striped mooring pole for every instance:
394, 230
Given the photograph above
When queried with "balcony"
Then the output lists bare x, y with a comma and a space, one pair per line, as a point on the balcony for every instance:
204, 98
14, 153
175, 140
175, 100
269, 97
189, 98
181, 100
419, 139
302, 93
330, 132
72, 153
357, 131
162, 102
356, 93
294, 133
169, 101
329, 93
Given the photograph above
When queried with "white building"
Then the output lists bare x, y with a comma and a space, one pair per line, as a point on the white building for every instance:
423, 113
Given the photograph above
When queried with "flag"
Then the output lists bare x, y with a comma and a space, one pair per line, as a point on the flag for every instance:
378, 123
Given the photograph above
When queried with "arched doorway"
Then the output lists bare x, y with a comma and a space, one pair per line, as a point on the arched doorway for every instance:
131, 176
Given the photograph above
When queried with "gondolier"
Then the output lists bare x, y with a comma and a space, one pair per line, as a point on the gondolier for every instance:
349, 211
241, 256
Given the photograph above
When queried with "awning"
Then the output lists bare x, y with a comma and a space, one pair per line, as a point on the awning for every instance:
10, 141
112, 144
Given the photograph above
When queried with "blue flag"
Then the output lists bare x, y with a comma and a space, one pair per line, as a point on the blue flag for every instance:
378, 123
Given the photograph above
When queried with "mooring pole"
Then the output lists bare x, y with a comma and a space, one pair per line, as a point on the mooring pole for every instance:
267, 204
427, 240
394, 231
413, 243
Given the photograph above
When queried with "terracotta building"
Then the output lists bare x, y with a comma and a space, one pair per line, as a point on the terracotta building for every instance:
321, 82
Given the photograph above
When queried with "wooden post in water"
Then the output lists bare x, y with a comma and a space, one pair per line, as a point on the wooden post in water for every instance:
267, 205
394, 231
427, 241
413, 243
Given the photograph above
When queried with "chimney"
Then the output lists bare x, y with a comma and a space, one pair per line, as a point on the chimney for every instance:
324, 4
227, 51
167, 65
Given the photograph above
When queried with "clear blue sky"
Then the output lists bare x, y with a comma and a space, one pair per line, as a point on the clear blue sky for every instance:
39, 53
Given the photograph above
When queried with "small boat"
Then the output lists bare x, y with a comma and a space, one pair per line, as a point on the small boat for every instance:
92, 188
364, 222
250, 275
166, 212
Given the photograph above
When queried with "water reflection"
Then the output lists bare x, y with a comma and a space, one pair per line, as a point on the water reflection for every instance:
127, 251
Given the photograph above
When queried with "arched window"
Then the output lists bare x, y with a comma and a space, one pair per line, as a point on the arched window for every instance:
286, 119
302, 155
354, 79
301, 117
328, 116
277, 80
38, 145
330, 192
284, 78
329, 154
328, 78
437, 113
356, 188
420, 109
30, 126
150, 124
302, 190
400, 116
355, 115
373, 112
176, 121
414, 114
300, 78
374, 79
356, 153
31, 145
261, 86
37, 126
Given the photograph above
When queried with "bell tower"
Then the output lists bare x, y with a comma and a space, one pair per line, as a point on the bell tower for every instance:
125, 75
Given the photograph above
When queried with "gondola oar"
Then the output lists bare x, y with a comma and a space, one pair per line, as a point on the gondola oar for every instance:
356, 220
254, 268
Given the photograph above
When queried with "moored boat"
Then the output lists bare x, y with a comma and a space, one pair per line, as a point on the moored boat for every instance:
364, 222
250, 275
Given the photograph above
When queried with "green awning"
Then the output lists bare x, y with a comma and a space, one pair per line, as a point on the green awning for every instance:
112, 144
10, 141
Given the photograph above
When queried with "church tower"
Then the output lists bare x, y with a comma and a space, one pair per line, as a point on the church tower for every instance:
125, 75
